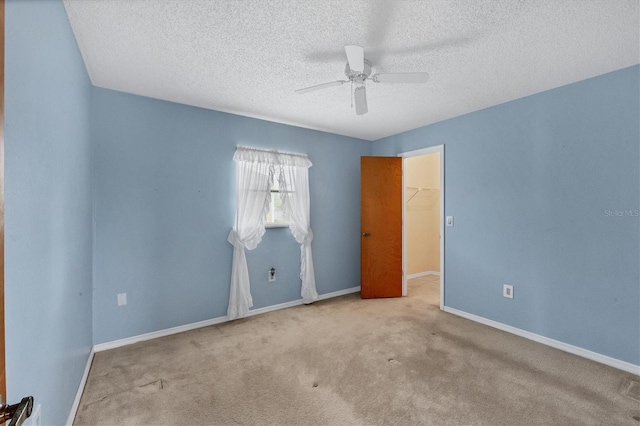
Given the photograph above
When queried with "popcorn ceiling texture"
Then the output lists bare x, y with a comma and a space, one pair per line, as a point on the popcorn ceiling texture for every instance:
247, 57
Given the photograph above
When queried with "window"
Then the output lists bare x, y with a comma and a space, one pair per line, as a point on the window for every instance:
276, 217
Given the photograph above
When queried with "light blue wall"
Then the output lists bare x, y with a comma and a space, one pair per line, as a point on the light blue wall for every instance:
48, 208
529, 183
164, 205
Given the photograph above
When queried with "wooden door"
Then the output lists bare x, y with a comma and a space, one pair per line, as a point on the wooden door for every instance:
381, 227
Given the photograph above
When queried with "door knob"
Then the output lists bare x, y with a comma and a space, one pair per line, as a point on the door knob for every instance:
366, 234
16, 414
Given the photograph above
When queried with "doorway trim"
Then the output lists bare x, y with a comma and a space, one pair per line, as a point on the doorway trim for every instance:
431, 150
3, 373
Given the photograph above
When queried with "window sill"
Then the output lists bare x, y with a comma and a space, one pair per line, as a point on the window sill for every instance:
276, 225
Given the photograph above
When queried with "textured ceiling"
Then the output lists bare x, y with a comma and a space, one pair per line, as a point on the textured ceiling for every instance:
247, 57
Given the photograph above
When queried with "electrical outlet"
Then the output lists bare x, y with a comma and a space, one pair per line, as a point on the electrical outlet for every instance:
36, 416
122, 299
507, 291
272, 275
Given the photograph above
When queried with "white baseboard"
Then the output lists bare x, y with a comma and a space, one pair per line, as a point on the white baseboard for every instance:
585, 353
422, 274
187, 327
83, 382
156, 334
339, 293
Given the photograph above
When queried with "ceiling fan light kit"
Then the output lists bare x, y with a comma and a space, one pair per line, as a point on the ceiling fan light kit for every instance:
358, 71
358, 76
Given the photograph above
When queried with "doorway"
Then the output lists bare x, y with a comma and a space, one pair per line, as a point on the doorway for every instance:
423, 217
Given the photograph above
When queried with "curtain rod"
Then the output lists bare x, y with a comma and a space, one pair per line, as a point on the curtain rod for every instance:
272, 151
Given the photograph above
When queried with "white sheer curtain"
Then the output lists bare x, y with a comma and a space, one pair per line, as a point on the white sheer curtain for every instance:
253, 193
255, 169
294, 182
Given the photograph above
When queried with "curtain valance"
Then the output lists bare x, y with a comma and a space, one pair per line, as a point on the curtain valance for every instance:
256, 155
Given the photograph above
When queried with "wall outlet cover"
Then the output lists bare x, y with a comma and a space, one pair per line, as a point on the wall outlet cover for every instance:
507, 291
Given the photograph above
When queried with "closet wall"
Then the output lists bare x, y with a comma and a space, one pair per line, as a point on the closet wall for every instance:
422, 186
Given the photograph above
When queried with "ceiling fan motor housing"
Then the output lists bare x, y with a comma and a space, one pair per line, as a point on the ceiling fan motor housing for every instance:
357, 76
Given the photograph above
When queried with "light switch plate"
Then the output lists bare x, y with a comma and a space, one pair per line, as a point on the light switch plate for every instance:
122, 299
449, 221
36, 417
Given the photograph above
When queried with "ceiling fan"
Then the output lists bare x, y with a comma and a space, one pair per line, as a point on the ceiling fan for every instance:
358, 71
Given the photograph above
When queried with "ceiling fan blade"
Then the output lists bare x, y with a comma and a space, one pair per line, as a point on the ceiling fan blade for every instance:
355, 56
320, 87
401, 77
360, 95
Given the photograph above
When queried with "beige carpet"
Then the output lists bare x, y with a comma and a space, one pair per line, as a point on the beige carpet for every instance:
351, 361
